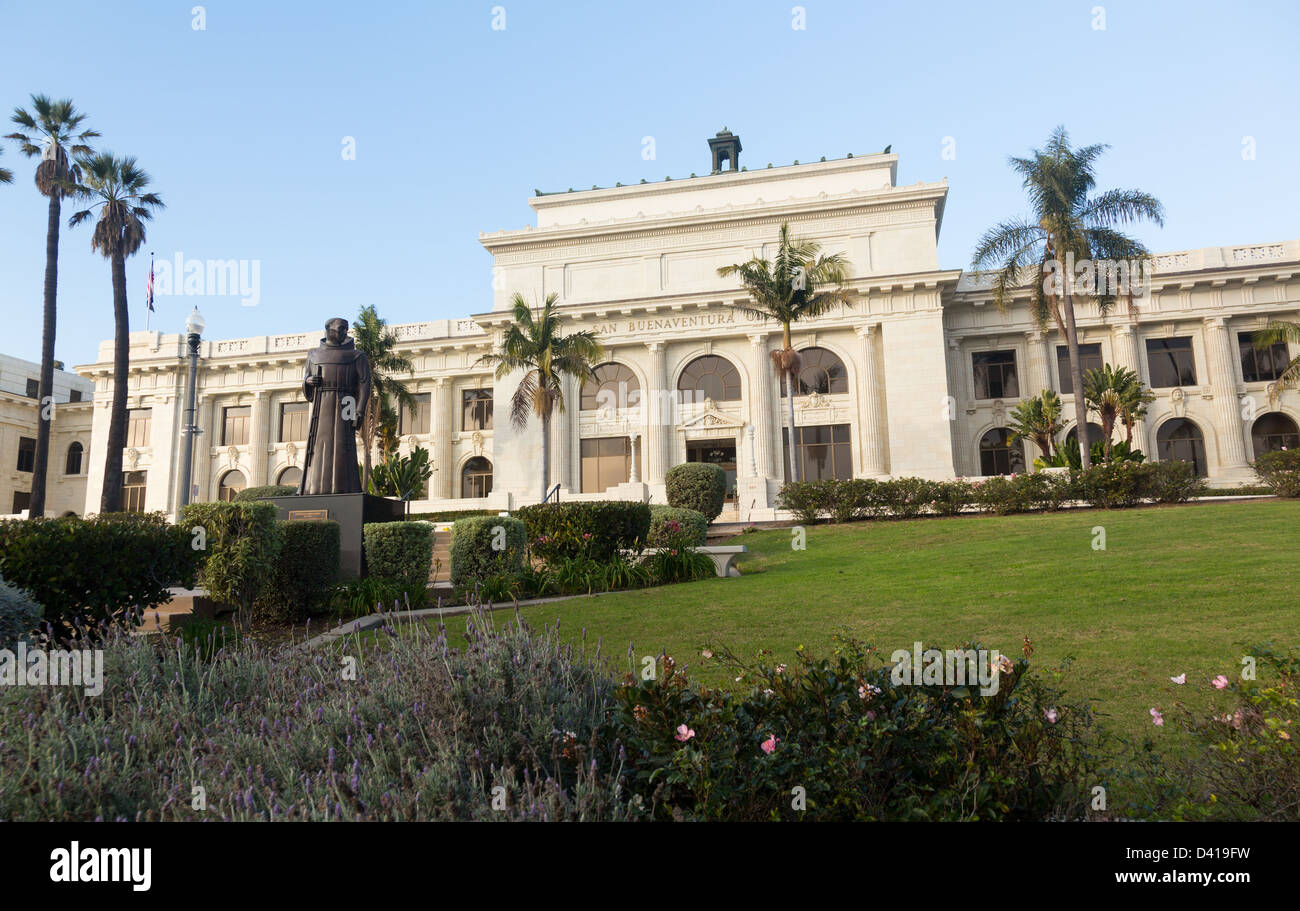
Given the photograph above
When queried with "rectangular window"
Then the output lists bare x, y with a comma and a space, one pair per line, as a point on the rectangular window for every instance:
26, 454
995, 375
137, 427
293, 421
33, 388
1089, 359
824, 452
476, 409
74, 395
605, 462
1261, 365
415, 421
22, 500
1171, 362
133, 485
234, 425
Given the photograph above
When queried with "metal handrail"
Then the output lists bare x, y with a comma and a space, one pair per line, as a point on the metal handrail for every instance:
554, 491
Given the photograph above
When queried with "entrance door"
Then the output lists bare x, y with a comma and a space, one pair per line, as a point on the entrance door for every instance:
716, 452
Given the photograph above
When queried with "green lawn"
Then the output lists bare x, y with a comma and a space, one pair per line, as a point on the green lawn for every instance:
1177, 589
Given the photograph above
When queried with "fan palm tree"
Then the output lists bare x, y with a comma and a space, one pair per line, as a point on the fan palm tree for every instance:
378, 341
51, 132
800, 283
1067, 221
6, 176
1038, 419
535, 346
117, 188
1281, 331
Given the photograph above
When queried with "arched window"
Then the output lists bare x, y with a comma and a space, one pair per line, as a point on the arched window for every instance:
1180, 440
476, 478
615, 386
821, 371
290, 477
998, 455
1095, 434
73, 463
1274, 431
232, 482
709, 377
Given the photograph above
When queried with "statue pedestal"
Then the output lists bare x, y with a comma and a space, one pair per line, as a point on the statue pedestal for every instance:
351, 511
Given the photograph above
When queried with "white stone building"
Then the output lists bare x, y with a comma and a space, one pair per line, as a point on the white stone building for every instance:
70, 429
915, 376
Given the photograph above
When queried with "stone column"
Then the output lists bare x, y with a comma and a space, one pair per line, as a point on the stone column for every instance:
874, 434
260, 420
1229, 427
443, 427
1126, 355
1038, 369
761, 407
203, 445
962, 456
563, 430
659, 407
634, 477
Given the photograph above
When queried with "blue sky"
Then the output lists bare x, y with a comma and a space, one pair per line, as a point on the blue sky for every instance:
241, 126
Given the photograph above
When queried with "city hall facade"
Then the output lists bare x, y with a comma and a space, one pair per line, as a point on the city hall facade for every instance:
915, 375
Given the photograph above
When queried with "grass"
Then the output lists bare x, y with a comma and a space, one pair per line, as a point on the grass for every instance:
1177, 589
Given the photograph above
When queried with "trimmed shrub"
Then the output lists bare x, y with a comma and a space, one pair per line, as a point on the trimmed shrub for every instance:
597, 529
242, 541
1280, 471
806, 499
698, 486
98, 568
999, 495
903, 498
1113, 485
305, 570
484, 546
400, 552
19, 615
851, 499
692, 523
949, 498
450, 515
269, 490
1172, 482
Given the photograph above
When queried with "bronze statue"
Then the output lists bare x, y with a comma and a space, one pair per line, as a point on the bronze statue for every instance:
337, 383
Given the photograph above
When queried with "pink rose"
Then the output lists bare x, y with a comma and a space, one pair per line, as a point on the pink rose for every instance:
770, 743
684, 733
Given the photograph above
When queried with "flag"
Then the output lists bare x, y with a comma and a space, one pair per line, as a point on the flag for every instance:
148, 291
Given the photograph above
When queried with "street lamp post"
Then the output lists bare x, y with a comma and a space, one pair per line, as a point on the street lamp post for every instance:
194, 329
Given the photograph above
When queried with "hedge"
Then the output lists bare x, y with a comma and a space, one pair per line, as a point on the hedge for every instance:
97, 568
305, 571
1280, 471
699, 486
402, 553
240, 545
269, 490
450, 515
598, 529
688, 520
19, 615
483, 546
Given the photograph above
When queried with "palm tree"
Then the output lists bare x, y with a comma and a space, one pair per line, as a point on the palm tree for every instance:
116, 187
1038, 418
50, 133
1135, 397
801, 283
378, 341
534, 345
1117, 395
6, 176
1281, 331
1067, 222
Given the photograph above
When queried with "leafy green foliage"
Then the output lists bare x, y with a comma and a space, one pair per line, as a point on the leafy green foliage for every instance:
19, 615
699, 486
360, 597
249, 494
98, 568
450, 515
484, 546
305, 570
403, 477
692, 522
402, 553
598, 529
1280, 471
676, 559
241, 547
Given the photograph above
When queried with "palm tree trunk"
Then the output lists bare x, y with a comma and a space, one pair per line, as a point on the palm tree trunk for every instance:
111, 498
796, 473
367, 435
45, 390
1076, 376
546, 453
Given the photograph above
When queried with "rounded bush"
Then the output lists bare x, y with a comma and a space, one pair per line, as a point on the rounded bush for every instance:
486, 546
596, 529
689, 522
698, 486
400, 552
269, 490
305, 571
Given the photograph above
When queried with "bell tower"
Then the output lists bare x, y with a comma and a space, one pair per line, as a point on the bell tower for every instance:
725, 147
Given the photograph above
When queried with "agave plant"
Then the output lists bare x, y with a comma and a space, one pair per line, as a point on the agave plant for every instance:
401, 476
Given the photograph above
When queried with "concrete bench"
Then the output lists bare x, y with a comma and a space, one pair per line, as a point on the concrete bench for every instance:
723, 557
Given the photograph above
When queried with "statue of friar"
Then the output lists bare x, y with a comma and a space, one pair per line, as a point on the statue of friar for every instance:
337, 383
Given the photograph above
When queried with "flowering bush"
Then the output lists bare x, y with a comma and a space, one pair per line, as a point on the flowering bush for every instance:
693, 522
1113, 485
806, 499
676, 559
1280, 471
597, 529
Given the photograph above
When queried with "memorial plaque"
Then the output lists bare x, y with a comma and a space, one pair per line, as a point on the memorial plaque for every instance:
296, 515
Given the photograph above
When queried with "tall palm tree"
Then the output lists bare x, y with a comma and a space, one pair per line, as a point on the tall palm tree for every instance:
1134, 398
6, 176
1067, 220
378, 341
1038, 418
51, 132
535, 346
800, 283
117, 188
1281, 330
